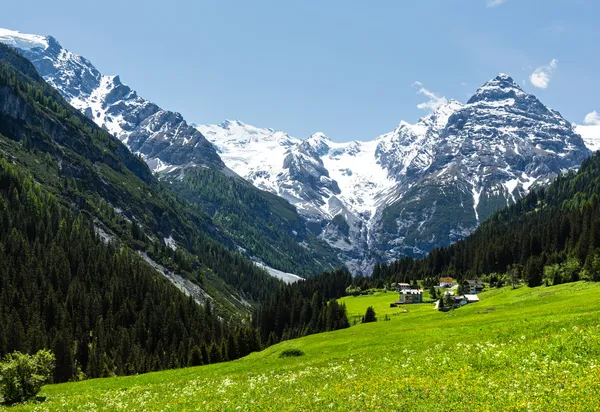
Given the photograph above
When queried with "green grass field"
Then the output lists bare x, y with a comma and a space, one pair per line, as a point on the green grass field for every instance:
525, 349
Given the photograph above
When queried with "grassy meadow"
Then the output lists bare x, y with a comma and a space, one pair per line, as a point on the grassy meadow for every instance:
524, 349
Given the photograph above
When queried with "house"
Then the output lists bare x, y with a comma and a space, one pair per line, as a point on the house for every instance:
411, 296
446, 282
472, 286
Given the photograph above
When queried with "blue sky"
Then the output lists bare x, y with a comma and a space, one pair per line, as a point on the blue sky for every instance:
346, 68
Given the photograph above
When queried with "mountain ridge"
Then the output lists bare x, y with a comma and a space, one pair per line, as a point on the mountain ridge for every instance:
374, 186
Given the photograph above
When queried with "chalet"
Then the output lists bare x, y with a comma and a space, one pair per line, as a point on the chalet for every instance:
446, 282
411, 296
472, 286
402, 286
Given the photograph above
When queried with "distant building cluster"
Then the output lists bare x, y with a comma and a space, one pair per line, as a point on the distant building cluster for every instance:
469, 289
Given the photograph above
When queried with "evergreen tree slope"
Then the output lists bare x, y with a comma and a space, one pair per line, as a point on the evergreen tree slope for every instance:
171, 146
100, 308
92, 172
261, 223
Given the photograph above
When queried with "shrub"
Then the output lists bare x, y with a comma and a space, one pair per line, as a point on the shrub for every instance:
353, 290
22, 376
289, 353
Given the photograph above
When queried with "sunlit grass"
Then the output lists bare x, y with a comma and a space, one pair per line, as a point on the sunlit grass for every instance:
524, 349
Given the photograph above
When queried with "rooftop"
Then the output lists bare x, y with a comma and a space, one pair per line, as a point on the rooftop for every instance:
474, 282
411, 291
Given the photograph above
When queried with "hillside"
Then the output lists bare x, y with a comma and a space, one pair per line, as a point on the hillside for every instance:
263, 226
90, 265
101, 308
534, 349
92, 172
267, 229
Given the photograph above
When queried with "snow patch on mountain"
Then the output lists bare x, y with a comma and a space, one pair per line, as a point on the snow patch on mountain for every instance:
590, 135
284, 276
254, 153
363, 181
22, 41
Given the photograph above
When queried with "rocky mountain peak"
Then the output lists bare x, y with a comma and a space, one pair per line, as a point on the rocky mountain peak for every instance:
53, 44
500, 88
439, 118
163, 137
319, 136
318, 142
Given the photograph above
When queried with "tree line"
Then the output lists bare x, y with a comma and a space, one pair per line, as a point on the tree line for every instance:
304, 308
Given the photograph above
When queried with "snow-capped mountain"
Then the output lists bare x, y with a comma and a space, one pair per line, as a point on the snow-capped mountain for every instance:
490, 152
417, 187
163, 137
323, 179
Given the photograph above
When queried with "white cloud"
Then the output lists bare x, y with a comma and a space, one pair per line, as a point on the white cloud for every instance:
494, 3
541, 76
592, 118
434, 101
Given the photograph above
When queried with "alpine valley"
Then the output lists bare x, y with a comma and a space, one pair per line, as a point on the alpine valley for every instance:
307, 205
